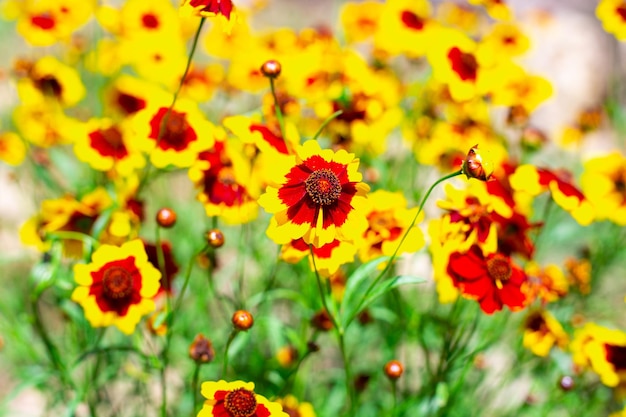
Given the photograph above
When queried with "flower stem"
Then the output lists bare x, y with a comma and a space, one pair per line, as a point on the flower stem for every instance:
278, 111
395, 252
194, 388
326, 122
225, 359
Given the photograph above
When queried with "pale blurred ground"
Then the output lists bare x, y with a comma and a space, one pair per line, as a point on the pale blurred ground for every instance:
569, 48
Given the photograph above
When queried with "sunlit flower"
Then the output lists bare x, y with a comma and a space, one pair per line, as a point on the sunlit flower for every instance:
211, 8
360, 20
612, 14
389, 220
512, 86
492, 280
12, 148
50, 78
533, 181
460, 16
547, 284
604, 184
226, 186
138, 18
104, 146
603, 350
542, 331
225, 399
45, 124
117, 287
505, 40
579, 274
317, 196
127, 95
172, 136
328, 257
295, 408
404, 27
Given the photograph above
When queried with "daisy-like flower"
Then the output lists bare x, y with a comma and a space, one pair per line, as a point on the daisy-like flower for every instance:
236, 399
360, 20
404, 26
604, 183
542, 331
317, 196
12, 148
296, 408
172, 136
492, 280
612, 14
547, 284
389, 221
117, 287
602, 349
50, 78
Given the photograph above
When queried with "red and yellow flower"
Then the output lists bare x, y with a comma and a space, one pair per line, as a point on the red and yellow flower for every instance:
360, 20
492, 280
236, 399
603, 350
295, 408
117, 287
211, 8
404, 27
12, 148
547, 284
328, 257
542, 331
612, 14
318, 196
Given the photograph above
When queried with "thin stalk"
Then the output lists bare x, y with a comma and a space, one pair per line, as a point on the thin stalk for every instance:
194, 388
278, 111
225, 359
326, 122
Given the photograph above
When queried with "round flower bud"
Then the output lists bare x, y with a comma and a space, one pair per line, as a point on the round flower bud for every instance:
215, 238
201, 349
476, 165
242, 320
322, 321
271, 68
166, 217
566, 383
393, 369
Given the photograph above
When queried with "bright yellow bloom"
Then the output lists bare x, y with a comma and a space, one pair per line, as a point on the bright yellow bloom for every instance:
542, 331
513, 86
603, 182
360, 20
236, 399
296, 408
603, 350
505, 40
612, 14
12, 148
405, 27
45, 124
117, 287
50, 78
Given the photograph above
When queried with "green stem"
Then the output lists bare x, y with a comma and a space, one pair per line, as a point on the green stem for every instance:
225, 359
402, 239
278, 111
194, 388
394, 394
87, 240
326, 122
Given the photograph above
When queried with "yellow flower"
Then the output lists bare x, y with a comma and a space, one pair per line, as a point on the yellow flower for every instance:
512, 86
389, 221
236, 399
328, 257
50, 78
542, 331
603, 350
117, 287
360, 20
295, 408
318, 196
505, 40
603, 182
225, 9
404, 27
12, 148
45, 124
612, 14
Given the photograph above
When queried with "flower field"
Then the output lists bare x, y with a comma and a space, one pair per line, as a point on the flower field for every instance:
385, 208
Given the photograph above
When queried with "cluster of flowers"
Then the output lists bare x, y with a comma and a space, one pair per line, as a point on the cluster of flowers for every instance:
150, 116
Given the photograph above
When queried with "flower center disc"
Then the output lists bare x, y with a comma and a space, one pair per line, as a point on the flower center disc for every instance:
117, 283
240, 403
175, 128
499, 268
323, 187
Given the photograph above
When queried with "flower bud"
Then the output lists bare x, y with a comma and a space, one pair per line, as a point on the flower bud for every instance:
322, 321
567, 383
476, 165
166, 217
242, 320
215, 238
271, 68
393, 369
201, 349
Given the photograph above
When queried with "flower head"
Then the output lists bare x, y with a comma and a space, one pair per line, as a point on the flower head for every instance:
317, 196
542, 331
236, 399
476, 165
602, 349
211, 8
117, 287
612, 14
604, 184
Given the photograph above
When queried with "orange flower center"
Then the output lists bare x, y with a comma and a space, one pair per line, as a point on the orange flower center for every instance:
240, 403
499, 269
49, 85
464, 64
113, 137
117, 283
323, 186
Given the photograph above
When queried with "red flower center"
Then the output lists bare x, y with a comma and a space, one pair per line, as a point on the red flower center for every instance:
43, 21
323, 186
621, 11
130, 104
117, 283
150, 21
411, 20
499, 268
49, 85
240, 403
108, 142
464, 64
171, 130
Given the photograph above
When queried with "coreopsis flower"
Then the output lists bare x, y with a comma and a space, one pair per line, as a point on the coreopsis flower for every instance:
404, 27
65, 214
211, 8
128, 95
226, 186
12, 148
603, 350
328, 257
492, 280
512, 86
588, 120
172, 136
317, 196
547, 284
389, 220
477, 165
542, 331
44, 124
460, 16
117, 287
50, 78
295, 408
140, 19
612, 14
504, 40
604, 184
360, 20
266, 137
43, 23
105, 146
533, 181
578, 274
236, 399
